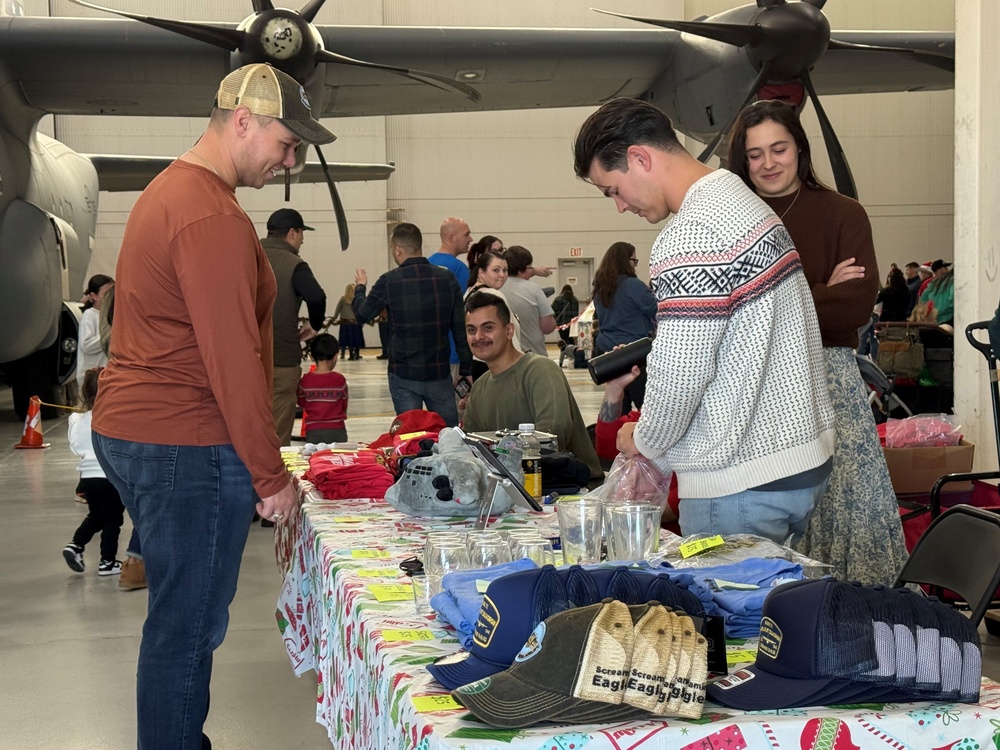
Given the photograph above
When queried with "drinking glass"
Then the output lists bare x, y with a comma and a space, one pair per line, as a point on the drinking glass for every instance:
445, 556
633, 530
487, 551
424, 587
516, 535
580, 527
473, 535
538, 550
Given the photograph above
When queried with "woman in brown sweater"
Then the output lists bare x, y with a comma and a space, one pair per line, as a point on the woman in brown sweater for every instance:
855, 527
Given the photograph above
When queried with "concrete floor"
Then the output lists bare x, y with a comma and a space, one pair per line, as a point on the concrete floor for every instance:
68, 641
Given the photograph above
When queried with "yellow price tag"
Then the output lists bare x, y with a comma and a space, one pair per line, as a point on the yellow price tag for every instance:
689, 549
741, 656
422, 634
427, 703
391, 592
369, 554
376, 573
349, 519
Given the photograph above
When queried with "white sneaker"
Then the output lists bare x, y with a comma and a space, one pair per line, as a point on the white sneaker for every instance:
109, 568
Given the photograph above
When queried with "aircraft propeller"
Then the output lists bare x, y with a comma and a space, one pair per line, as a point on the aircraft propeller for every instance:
288, 41
784, 40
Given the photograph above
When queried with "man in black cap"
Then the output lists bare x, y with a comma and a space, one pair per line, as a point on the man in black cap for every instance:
296, 283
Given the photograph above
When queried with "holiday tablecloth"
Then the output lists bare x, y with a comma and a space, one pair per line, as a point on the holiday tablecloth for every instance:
346, 613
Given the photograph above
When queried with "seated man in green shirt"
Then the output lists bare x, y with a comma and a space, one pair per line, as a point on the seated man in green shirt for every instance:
520, 387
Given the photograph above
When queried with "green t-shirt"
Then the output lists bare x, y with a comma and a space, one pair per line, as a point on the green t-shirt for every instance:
533, 390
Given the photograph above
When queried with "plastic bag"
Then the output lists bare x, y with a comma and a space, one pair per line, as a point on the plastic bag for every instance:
738, 547
636, 480
923, 431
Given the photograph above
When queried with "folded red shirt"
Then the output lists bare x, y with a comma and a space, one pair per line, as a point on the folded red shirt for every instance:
342, 476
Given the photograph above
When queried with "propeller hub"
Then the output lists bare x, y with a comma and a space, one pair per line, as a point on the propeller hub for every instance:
793, 38
282, 38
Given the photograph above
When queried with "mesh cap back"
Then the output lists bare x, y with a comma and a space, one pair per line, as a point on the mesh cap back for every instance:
269, 92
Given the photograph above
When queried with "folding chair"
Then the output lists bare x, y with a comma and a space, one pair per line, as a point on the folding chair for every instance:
960, 551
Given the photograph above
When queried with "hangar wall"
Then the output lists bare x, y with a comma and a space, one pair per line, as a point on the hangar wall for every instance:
510, 173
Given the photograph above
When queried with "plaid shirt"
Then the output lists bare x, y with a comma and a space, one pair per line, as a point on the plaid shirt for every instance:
424, 304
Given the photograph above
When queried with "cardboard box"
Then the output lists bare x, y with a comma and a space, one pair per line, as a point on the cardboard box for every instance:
914, 470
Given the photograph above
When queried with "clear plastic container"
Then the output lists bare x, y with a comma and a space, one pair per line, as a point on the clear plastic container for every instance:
531, 459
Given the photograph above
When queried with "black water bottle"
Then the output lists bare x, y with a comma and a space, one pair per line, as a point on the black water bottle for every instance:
619, 361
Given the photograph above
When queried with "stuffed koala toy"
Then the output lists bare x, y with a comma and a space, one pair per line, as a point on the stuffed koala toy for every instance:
449, 482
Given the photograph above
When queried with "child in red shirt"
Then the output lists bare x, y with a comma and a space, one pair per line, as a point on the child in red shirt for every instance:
323, 394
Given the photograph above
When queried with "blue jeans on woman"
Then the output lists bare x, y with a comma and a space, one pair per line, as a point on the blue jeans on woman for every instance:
192, 506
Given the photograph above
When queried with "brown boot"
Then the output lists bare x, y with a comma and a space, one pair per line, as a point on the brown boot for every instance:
133, 575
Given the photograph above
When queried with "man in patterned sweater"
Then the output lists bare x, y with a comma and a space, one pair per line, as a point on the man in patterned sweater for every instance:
737, 403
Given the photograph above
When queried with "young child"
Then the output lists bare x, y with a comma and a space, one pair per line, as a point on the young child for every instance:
323, 393
106, 510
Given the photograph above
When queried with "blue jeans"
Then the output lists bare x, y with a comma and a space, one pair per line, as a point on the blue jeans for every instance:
781, 516
192, 506
439, 395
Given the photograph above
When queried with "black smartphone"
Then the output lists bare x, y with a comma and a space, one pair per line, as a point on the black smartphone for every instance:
462, 388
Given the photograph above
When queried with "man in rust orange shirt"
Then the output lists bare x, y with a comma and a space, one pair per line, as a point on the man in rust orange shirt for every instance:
182, 424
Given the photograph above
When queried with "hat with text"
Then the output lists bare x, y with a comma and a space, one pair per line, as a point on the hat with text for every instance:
824, 642
582, 654
269, 92
285, 219
595, 664
939, 264
512, 607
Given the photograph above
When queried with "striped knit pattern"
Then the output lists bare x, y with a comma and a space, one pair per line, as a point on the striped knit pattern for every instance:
737, 392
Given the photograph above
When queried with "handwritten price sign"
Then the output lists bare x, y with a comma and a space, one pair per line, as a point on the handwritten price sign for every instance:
427, 703
689, 549
393, 636
391, 592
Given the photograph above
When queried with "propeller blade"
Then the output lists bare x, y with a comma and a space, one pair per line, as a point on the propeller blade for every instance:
751, 96
769, 3
733, 34
259, 6
437, 81
927, 58
338, 207
227, 39
841, 170
312, 8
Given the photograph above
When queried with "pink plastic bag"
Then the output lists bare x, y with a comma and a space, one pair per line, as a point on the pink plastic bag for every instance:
636, 480
923, 431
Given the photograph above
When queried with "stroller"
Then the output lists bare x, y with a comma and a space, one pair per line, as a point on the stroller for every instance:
881, 397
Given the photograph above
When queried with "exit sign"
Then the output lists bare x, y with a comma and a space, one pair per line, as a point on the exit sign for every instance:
576, 252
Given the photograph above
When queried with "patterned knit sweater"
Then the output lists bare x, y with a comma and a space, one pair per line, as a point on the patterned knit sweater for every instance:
737, 393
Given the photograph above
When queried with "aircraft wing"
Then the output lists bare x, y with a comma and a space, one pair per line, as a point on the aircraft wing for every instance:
120, 67
125, 173
857, 71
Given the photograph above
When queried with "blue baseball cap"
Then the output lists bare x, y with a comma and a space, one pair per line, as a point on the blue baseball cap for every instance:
814, 636
512, 607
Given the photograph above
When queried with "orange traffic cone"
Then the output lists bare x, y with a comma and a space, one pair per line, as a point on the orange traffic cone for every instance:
32, 435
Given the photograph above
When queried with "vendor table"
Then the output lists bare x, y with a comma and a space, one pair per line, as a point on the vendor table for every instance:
341, 558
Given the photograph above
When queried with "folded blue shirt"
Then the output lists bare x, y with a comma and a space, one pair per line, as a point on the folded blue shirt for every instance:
461, 599
741, 608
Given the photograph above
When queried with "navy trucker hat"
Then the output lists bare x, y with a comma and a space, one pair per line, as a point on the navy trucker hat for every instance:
512, 607
816, 637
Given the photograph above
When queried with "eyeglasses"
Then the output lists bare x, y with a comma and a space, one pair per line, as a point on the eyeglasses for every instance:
634, 260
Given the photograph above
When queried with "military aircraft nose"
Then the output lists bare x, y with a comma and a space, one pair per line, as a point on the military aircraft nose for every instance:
284, 39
